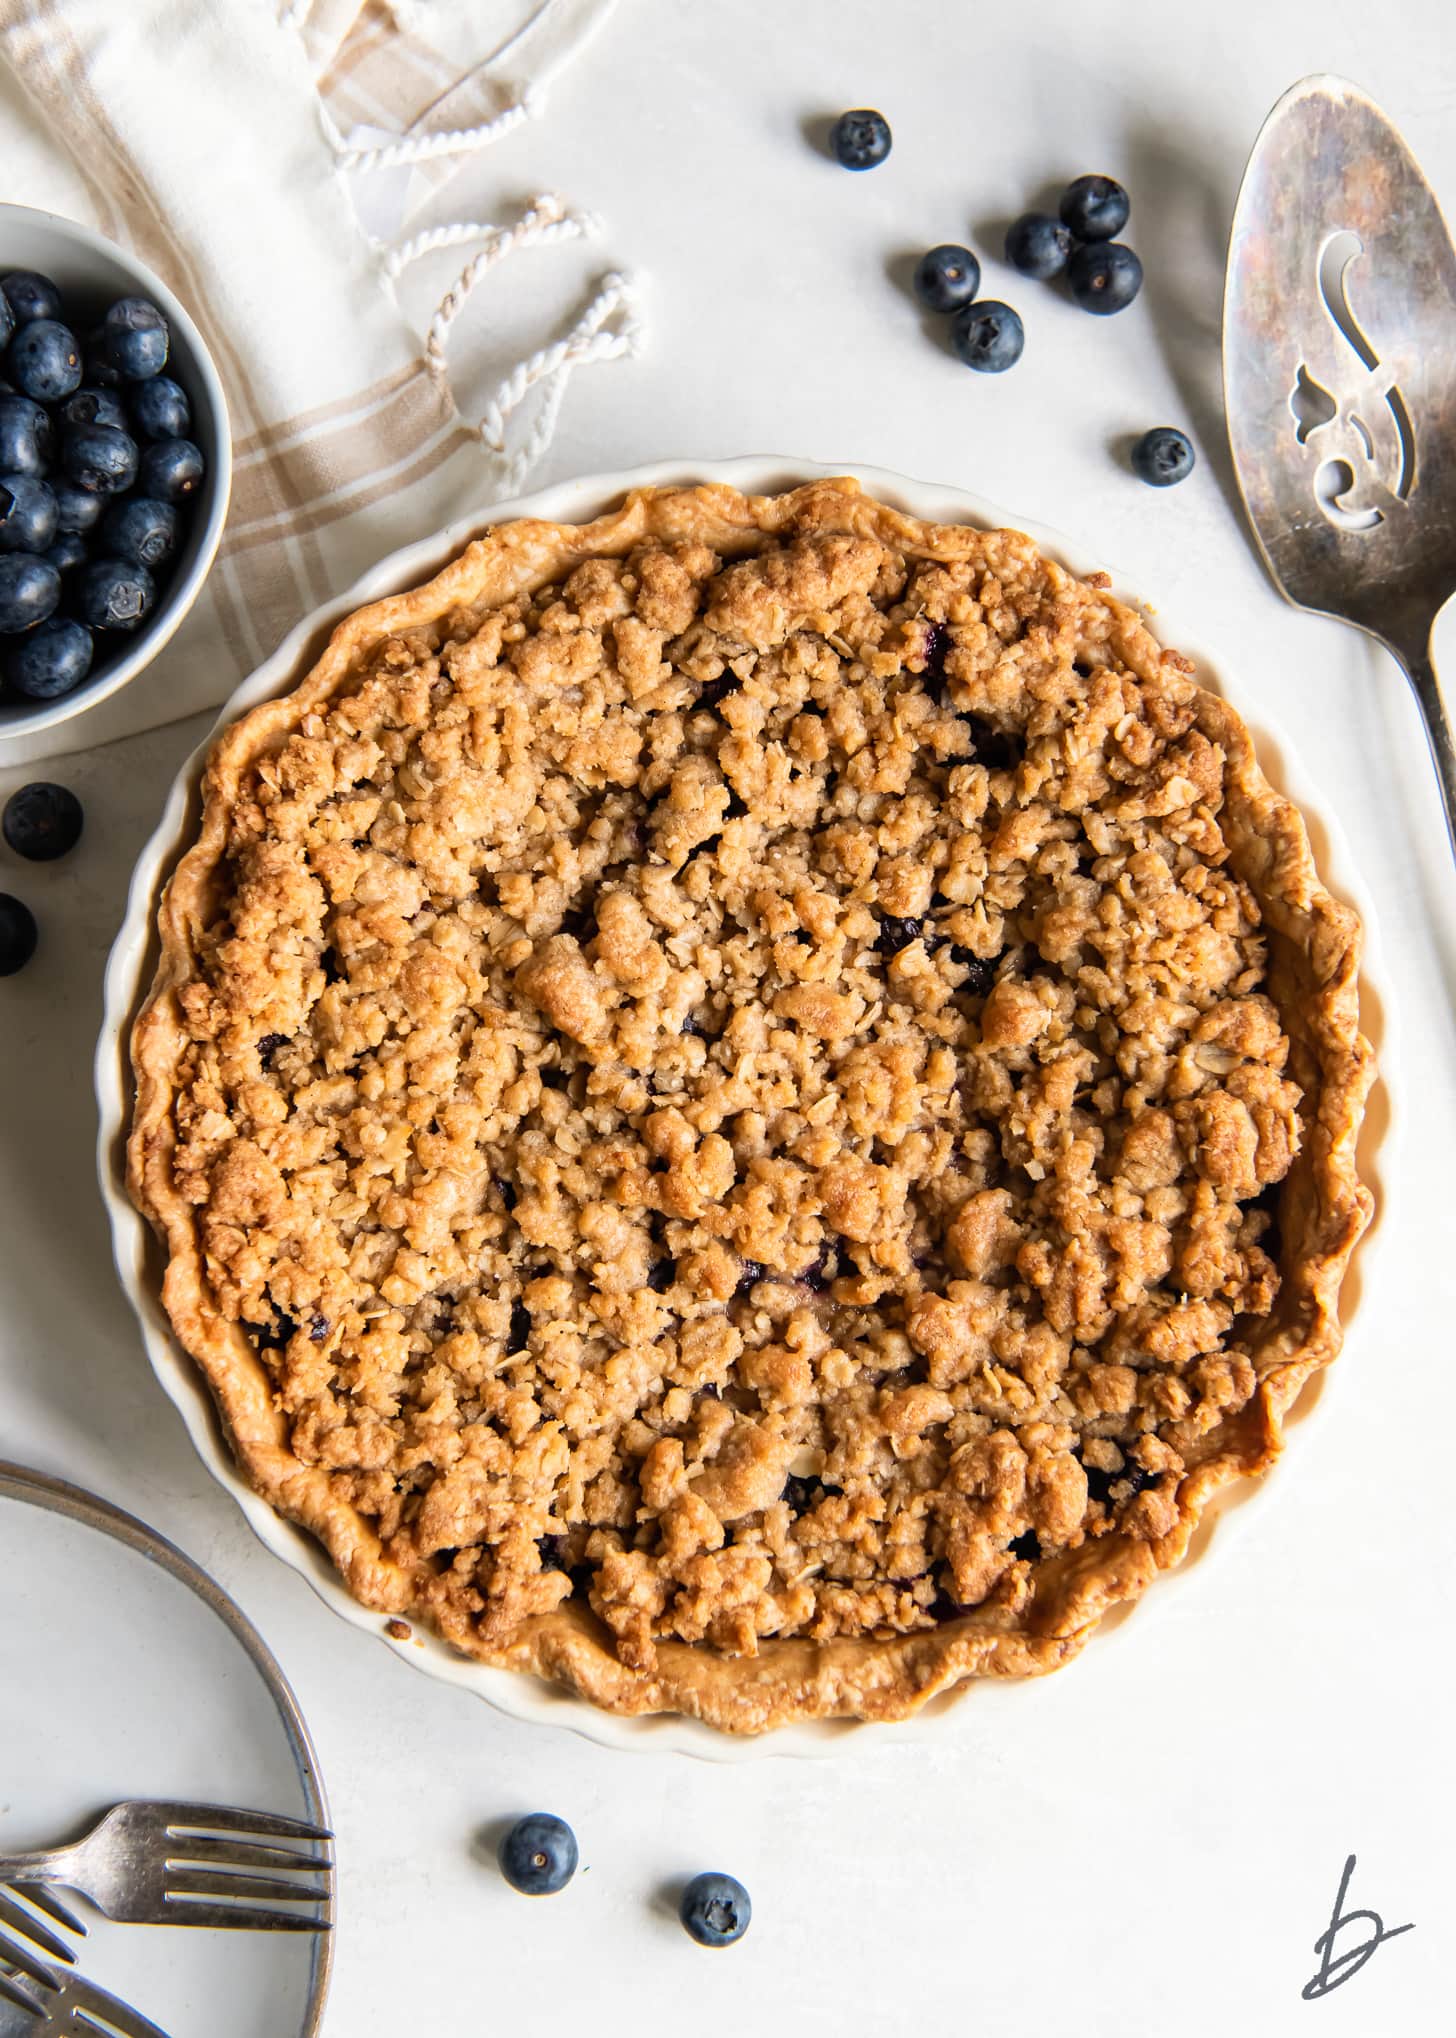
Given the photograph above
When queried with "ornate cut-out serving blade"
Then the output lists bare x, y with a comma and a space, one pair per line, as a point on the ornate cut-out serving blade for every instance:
1339, 352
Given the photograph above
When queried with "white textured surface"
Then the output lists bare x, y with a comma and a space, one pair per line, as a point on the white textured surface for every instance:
1153, 1839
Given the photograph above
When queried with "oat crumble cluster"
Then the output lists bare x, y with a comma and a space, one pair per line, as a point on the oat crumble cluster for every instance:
740, 1091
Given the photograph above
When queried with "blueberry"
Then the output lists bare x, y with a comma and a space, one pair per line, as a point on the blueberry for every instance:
171, 470
715, 1909
101, 370
947, 277
136, 338
29, 591
140, 530
27, 437
92, 406
987, 336
160, 408
100, 459
115, 595
45, 360
42, 821
27, 513
1095, 208
538, 1855
1038, 246
17, 935
1105, 277
896, 934
1162, 456
66, 551
77, 509
860, 139
30, 296
7, 320
51, 660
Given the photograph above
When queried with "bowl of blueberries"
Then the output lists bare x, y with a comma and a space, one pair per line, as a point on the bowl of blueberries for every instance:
115, 466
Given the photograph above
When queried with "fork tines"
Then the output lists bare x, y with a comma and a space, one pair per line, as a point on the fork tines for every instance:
209, 1847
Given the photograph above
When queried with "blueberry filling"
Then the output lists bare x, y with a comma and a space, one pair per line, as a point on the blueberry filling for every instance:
802, 1494
980, 970
661, 1276
997, 749
937, 644
269, 1045
896, 934
581, 923
271, 1337
1268, 1201
552, 1549
318, 1329
507, 1193
1026, 1547
520, 1330
822, 1271
750, 1273
332, 968
716, 690
1100, 1483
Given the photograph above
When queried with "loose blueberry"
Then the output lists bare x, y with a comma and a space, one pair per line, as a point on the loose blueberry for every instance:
77, 509
1163, 456
51, 660
27, 437
1104, 276
7, 321
141, 530
27, 513
45, 360
30, 296
1094, 208
171, 470
136, 338
160, 408
1038, 245
101, 370
860, 139
42, 821
947, 277
115, 595
17, 935
92, 406
29, 591
538, 1855
100, 459
66, 551
715, 1909
988, 336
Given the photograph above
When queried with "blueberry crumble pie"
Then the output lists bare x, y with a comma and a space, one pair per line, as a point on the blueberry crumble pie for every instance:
751, 1105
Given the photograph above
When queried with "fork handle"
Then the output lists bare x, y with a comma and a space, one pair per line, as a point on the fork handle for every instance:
51, 1864
1420, 670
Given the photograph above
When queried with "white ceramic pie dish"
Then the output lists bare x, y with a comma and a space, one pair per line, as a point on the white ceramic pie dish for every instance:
128, 976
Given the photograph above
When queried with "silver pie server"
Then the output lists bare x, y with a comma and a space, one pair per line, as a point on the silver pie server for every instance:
1339, 362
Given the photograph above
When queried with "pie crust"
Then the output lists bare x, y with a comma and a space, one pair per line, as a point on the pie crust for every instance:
748, 1048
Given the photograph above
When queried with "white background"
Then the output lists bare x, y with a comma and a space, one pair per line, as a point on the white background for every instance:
1152, 1840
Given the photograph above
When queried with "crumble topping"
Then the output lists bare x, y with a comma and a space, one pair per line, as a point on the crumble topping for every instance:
742, 1092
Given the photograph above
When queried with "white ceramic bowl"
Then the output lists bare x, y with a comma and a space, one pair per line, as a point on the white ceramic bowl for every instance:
91, 273
128, 977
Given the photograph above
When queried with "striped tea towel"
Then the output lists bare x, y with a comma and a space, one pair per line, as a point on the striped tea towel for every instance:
273, 164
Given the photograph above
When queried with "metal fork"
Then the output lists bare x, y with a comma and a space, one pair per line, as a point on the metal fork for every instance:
159, 1863
67, 2002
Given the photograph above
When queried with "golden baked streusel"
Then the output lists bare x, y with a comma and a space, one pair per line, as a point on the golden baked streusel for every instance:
751, 1104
